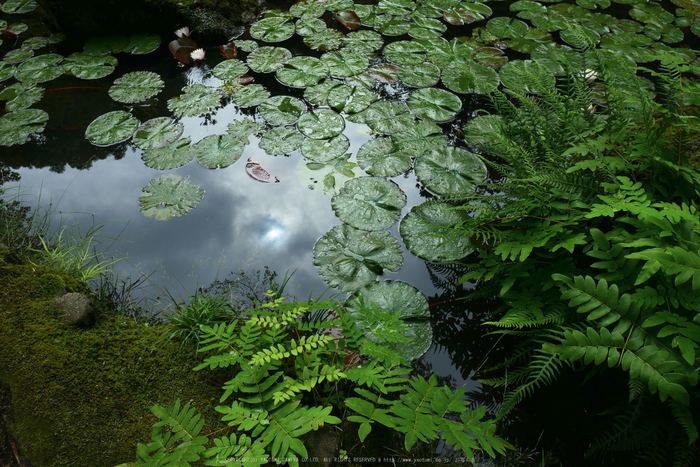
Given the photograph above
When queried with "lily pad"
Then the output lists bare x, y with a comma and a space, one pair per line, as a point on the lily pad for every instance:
268, 59
250, 95
15, 29
490, 56
307, 9
196, 99
363, 41
243, 128
344, 63
459, 16
218, 151
419, 76
247, 46
40, 69
169, 196
405, 52
230, 69
172, 156
381, 158
324, 150
450, 171
428, 232
349, 19
17, 127
13, 57
21, 95
394, 26
434, 105
84, 66
302, 71
469, 77
19, 6
105, 45
419, 138
351, 99
384, 72
7, 71
35, 43
111, 128
328, 39
310, 26
135, 87
273, 29
142, 43
441, 52
506, 28
281, 140
182, 48
423, 27
318, 95
328, 176
158, 133
351, 258
369, 203
321, 124
388, 117
282, 110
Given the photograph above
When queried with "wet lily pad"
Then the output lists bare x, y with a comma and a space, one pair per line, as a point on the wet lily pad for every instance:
142, 43
349, 19
450, 171
344, 63
21, 95
469, 77
381, 158
301, 72
421, 75
169, 196
369, 203
247, 46
423, 27
17, 127
7, 71
419, 138
172, 156
35, 43
441, 52
273, 29
388, 117
106, 45
328, 176
307, 9
483, 132
434, 105
328, 39
384, 72
490, 56
363, 41
350, 258
351, 99
282, 110
230, 69
281, 140
405, 52
324, 150
84, 66
196, 99
13, 57
218, 151
310, 26
268, 59
250, 95
111, 128
15, 29
19, 6
506, 28
135, 87
40, 69
158, 133
428, 232
459, 16
321, 124
395, 26
318, 95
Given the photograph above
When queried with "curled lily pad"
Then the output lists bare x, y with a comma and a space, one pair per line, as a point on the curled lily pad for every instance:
282, 110
281, 140
428, 232
19, 6
273, 29
301, 72
218, 151
381, 158
369, 203
396, 296
158, 133
182, 49
421, 75
349, 19
17, 127
84, 66
172, 156
363, 41
433, 104
106, 45
351, 99
258, 173
324, 150
351, 258
21, 95
169, 196
268, 59
318, 95
344, 63
142, 43
196, 99
251, 95
450, 171
40, 69
388, 117
328, 39
230, 69
321, 124
111, 128
469, 77
135, 87
405, 52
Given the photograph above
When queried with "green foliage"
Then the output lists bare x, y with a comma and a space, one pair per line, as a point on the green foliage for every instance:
203, 310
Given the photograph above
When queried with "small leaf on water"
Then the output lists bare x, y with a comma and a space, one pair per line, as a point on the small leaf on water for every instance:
169, 196
256, 172
181, 48
349, 19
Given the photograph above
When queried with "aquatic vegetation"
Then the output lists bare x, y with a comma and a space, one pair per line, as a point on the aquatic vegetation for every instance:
169, 196
111, 128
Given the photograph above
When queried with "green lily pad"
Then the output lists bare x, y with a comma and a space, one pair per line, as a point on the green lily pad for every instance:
554, 57
273, 29
419, 76
321, 124
172, 156
441, 52
405, 52
530, 41
523, 76
369, 203
17, 127
428, 232
527, 8
218, 151
310, 26
351, 99
339, 5
318, 95
16, 56
19, 6
158, 133
396, 296
324, 150
111, 128
344, 63
35, 43
394, 26
450, 171
363, 41
135, 87
282, 110
21, 95
196, 99
106, 45
434, 105
419, 137
328, 176
423, 27
506, 28
483, 132
381, 158
384, 72
16, 29
247, 46
268, 59
350, 258
388, 117
307, 9
40, 69
142, 43
469, 77
395, 7
84, 66
250, 95
169, 196
230, 69
459, 16
7, 71
281, 140
301, 72
328, 39
243, 128
490, 56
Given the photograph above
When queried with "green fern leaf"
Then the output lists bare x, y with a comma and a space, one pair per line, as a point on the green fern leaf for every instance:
236, 453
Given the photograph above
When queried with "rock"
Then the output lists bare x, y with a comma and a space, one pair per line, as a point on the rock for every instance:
77, 308
324, 443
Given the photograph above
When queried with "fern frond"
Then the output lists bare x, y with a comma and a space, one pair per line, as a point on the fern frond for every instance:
236, 453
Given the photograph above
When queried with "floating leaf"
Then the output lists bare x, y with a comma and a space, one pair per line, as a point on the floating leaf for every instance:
421, 75
35, 43
388, 117
218, 151
490, 56
196, 99
84, 66
13, 57
142, 43
301, 72
40, 69
555, 57
19, 6
351, 99
15, 29
250, 96
111, 128
381, 158
172, 156
273, 29
395, 26
433, 104
450, 171
405, 52
419, 138
257, 172
229, 51
328, 39
7, 71
242, 129
281, 140
158, 133
441, 52
282, 110
530, 41
345, 62
351, 258
469, 77
363, 41
16, 127
318, 95
527, 9
506, 28
324, 150
426, 28
307, 9
230, 69
429, 232
459, 16
247, 46
321, 124
105, 45
349, 19
339, 5
169, 196
384, 73
268, 59
308, 27
135, 87
182, 49
369, 203
21, 95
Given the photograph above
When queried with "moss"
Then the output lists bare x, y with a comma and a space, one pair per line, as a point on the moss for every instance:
48, 285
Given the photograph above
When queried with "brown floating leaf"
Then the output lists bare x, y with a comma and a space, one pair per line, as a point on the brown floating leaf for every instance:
181, 48
349, 19
229, 50
256, 172
384, 72
245, 79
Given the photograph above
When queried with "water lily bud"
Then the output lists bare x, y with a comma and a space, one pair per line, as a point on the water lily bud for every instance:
183, 32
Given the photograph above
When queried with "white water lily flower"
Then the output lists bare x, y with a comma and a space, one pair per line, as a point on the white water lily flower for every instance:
183, 32
197, 54
589, 75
